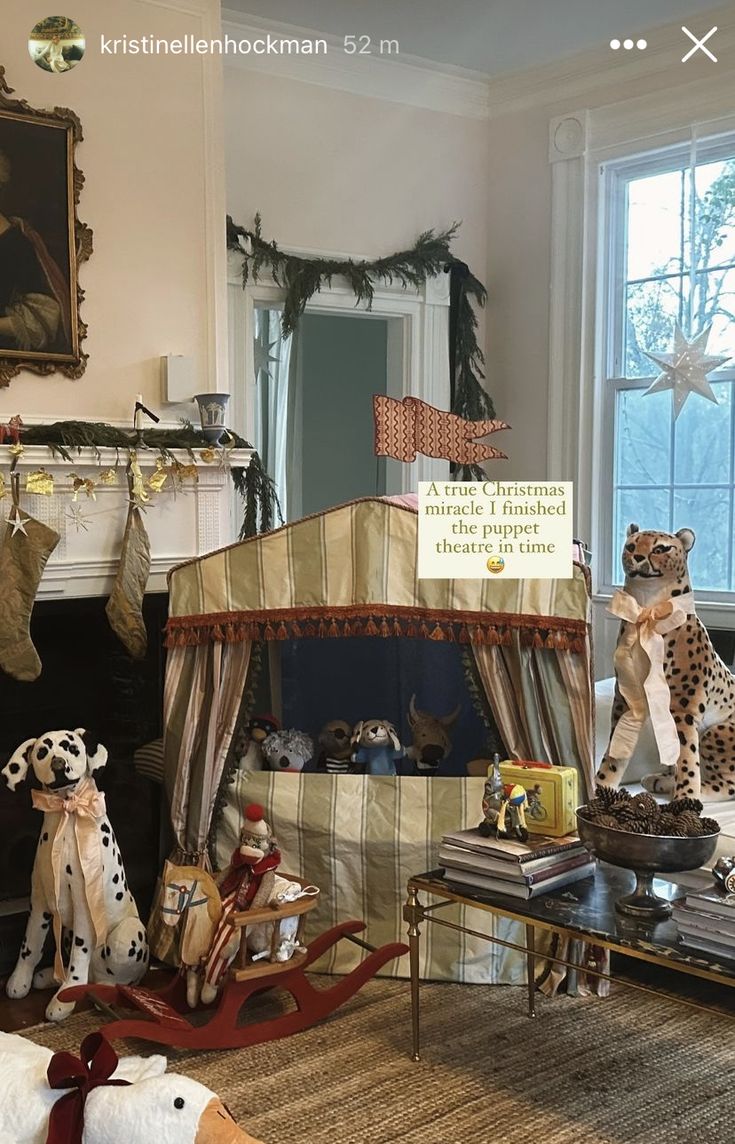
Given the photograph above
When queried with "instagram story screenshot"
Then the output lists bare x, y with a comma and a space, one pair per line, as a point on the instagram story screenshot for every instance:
367, 572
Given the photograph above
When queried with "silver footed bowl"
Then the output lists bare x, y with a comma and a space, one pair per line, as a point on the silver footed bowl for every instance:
646, 855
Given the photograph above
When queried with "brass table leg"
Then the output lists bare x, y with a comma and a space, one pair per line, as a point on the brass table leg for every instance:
531, 964
413, 914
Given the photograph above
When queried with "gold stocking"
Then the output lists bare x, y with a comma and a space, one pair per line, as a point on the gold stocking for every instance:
24, 549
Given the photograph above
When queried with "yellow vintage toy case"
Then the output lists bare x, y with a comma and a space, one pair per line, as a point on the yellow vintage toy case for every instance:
552, 795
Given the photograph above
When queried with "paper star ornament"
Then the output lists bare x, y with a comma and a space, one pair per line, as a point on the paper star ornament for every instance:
75, 514
263, 356
17, 521
685, 370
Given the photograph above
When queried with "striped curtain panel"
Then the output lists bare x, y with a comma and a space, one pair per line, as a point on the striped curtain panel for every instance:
359, 838
202, 698
543, 703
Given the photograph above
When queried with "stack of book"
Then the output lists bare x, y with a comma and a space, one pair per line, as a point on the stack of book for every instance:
706, 920
520, 869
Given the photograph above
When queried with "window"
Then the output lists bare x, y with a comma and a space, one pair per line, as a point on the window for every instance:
671, 258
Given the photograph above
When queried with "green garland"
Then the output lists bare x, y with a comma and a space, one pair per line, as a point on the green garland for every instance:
431, 255
255, 487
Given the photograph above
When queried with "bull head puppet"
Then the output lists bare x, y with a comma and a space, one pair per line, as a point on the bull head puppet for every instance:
431, 743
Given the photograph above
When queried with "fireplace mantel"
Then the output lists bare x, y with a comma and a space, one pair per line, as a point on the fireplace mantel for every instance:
198, 518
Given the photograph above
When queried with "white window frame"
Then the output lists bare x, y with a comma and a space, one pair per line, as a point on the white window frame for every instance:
580, 145
613, 239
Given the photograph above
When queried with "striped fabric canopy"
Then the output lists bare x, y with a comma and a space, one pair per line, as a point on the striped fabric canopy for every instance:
352, 571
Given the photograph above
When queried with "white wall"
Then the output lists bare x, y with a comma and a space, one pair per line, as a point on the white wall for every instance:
339, 172
154, 197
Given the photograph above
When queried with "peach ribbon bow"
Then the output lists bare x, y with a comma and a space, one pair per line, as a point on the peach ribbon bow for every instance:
80, 812
639, 668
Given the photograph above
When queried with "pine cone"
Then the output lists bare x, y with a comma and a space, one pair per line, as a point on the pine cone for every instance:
690, 822
607, 820
710, 826
679, 805
640, 825
667, 825
644, 804
605, 796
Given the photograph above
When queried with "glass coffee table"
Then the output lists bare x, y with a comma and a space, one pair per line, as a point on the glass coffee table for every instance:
582, 912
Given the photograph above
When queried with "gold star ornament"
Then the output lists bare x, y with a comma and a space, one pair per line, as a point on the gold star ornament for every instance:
685, 370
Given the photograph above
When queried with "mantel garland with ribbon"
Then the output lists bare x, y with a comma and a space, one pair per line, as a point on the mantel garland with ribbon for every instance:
430, 256
26, 543
255, 488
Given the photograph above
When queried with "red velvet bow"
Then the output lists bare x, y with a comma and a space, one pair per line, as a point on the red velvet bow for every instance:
93, 1067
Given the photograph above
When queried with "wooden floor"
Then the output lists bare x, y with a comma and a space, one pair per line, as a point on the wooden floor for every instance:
23, 1014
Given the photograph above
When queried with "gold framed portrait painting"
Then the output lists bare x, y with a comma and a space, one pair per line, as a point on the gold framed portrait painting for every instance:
42, 241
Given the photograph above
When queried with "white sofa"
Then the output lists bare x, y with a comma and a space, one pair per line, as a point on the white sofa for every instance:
645, 761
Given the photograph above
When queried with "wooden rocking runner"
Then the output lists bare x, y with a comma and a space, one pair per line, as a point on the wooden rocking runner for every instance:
165, 1018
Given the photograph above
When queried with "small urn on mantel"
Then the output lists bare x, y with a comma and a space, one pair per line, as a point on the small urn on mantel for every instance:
212, 409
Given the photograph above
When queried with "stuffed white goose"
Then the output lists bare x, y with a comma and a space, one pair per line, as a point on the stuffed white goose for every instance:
152, 1106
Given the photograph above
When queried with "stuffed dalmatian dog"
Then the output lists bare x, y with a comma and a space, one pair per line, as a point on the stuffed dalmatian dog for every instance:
78, 886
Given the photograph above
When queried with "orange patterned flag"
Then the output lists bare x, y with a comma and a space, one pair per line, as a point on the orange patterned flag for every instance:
405, 428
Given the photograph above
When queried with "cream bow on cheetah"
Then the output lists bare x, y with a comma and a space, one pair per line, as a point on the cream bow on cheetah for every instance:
667, 670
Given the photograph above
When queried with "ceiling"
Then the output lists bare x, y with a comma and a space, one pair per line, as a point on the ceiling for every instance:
490, 36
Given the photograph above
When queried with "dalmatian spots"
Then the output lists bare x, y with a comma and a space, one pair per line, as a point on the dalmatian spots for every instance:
61, 759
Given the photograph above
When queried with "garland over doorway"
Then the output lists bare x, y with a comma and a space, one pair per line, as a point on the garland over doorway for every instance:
430, 256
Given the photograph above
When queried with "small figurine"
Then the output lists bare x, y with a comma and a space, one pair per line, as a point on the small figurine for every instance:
500, 801
377, 744
335, 756
724, 873
430, 733
257, 731
248, 882
288, 750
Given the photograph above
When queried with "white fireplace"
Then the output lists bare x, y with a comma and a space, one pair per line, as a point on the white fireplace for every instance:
200, 516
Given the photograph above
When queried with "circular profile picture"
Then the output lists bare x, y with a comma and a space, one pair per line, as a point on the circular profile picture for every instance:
56, 44
495, 564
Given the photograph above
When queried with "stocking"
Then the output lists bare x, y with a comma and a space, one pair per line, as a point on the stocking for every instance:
23, 558
125, 606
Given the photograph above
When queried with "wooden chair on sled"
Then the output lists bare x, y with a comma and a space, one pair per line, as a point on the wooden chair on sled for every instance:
164, 1017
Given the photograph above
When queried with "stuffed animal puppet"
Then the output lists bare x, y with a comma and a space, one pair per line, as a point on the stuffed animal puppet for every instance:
288, 750
431, 742
377, 745
335, 741
258, 730
145, 1104
78, 883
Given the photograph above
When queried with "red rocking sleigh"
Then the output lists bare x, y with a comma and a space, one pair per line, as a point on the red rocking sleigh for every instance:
165, 1016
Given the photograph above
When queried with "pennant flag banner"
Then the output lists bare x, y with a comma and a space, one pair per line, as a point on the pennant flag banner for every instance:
405, 428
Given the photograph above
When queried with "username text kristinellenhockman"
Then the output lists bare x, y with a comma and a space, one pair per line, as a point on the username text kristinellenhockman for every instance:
188, 45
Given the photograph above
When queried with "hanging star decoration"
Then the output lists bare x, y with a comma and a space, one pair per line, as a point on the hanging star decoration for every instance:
17, 522
263, 356
685, 370
75, 514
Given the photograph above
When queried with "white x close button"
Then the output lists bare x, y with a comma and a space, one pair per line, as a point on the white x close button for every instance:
699, 44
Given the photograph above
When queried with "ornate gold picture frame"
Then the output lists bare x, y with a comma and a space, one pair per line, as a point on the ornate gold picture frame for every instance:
42, 241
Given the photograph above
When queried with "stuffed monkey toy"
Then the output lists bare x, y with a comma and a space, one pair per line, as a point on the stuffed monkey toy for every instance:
248, 882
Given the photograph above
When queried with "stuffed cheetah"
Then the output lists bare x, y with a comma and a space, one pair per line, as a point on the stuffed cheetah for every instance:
701, 689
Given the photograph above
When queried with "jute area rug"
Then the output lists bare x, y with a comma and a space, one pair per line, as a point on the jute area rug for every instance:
629, 1069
